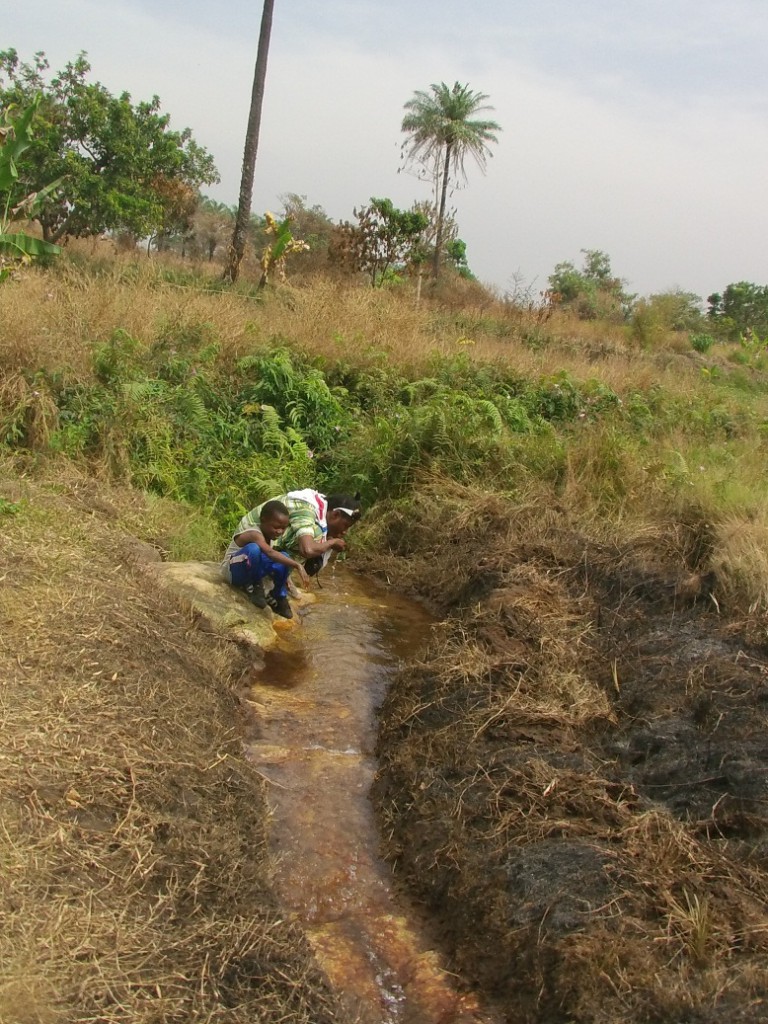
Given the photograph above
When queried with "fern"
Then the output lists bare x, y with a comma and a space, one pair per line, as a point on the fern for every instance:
491, 416
272, 438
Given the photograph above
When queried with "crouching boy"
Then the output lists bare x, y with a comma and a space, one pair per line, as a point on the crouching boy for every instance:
251, 556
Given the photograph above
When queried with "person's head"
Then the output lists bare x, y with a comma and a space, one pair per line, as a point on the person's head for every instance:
343, 512
273, 520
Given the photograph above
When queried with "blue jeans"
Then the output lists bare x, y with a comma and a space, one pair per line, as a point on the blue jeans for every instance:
255, 566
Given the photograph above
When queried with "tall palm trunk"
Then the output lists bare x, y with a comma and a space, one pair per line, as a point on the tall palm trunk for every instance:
441, 211
237, 246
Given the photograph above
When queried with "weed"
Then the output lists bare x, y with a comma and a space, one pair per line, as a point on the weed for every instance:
692, 920
9, 508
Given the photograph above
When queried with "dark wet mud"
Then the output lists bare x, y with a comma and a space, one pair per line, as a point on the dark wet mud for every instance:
313, 739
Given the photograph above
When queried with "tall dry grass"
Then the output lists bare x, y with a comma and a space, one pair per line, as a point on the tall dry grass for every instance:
52, 318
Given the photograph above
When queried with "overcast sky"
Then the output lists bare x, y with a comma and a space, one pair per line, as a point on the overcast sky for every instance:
639, 128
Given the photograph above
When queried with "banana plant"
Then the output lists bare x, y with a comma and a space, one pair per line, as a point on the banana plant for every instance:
18, 247
277, 252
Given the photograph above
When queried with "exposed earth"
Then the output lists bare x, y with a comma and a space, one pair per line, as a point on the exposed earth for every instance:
572, 779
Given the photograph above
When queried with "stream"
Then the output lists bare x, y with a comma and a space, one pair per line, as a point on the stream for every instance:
313, 741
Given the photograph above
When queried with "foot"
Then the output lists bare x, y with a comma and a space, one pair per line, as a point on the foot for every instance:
255, 594
280, 606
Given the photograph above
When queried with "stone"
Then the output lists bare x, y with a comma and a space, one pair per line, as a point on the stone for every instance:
200, 588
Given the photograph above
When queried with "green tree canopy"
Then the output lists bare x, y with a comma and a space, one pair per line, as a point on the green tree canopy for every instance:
443, 129
742, 307
17, 247
456, 251
311, 222
384, 237
122, 168
593, 292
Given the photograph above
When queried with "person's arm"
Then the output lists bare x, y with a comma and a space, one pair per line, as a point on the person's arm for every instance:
258, 538
310, 548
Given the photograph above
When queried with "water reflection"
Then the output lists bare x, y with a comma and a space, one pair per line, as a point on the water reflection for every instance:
315, 699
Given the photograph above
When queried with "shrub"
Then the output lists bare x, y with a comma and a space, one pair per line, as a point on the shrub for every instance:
702, 342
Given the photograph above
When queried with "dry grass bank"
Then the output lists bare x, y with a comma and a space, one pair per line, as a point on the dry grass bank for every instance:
135, 885
51, 321
573, 780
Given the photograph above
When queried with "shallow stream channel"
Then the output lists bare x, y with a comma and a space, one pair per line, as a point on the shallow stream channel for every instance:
313, 739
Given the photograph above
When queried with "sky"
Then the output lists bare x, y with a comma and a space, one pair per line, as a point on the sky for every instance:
637, 128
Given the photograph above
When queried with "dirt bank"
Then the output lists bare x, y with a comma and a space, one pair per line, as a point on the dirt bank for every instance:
135, 884
574, 779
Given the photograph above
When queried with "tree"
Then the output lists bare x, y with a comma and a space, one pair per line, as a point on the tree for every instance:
120, 165
442, 130
456, 251
211, 227
593, 292
742, 307
655, 317
312, 224
237, 248
384, 237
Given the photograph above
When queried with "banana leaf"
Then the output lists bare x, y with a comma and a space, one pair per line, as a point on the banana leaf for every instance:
20, 244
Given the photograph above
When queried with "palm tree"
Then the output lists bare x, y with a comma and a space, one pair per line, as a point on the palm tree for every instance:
242, 221
443, 129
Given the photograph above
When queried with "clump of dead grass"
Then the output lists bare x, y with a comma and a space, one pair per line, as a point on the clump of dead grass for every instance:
740, 560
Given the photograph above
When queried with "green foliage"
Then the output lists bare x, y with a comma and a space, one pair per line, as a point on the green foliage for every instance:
383, 238
741, 308
442, 129
174, 417
15, 138
314, 226
9, 508
653, 318
443, 122
121, 167
752, 349
702, 342
456, 253
469, 421
174, 422
299, 392
593, 292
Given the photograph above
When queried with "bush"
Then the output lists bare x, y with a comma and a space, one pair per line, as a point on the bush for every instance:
702, 342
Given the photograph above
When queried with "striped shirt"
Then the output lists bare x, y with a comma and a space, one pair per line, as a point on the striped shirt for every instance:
306, 518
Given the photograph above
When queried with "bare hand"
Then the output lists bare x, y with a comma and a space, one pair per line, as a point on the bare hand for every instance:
303, 576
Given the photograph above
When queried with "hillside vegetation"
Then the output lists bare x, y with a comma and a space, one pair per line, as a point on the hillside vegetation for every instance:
573, 778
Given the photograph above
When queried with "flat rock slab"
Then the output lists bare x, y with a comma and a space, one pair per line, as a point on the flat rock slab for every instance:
200, 588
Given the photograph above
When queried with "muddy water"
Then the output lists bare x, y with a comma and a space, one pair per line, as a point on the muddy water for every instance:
316, 701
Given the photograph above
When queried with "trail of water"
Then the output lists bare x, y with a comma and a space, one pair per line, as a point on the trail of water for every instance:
316, 699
